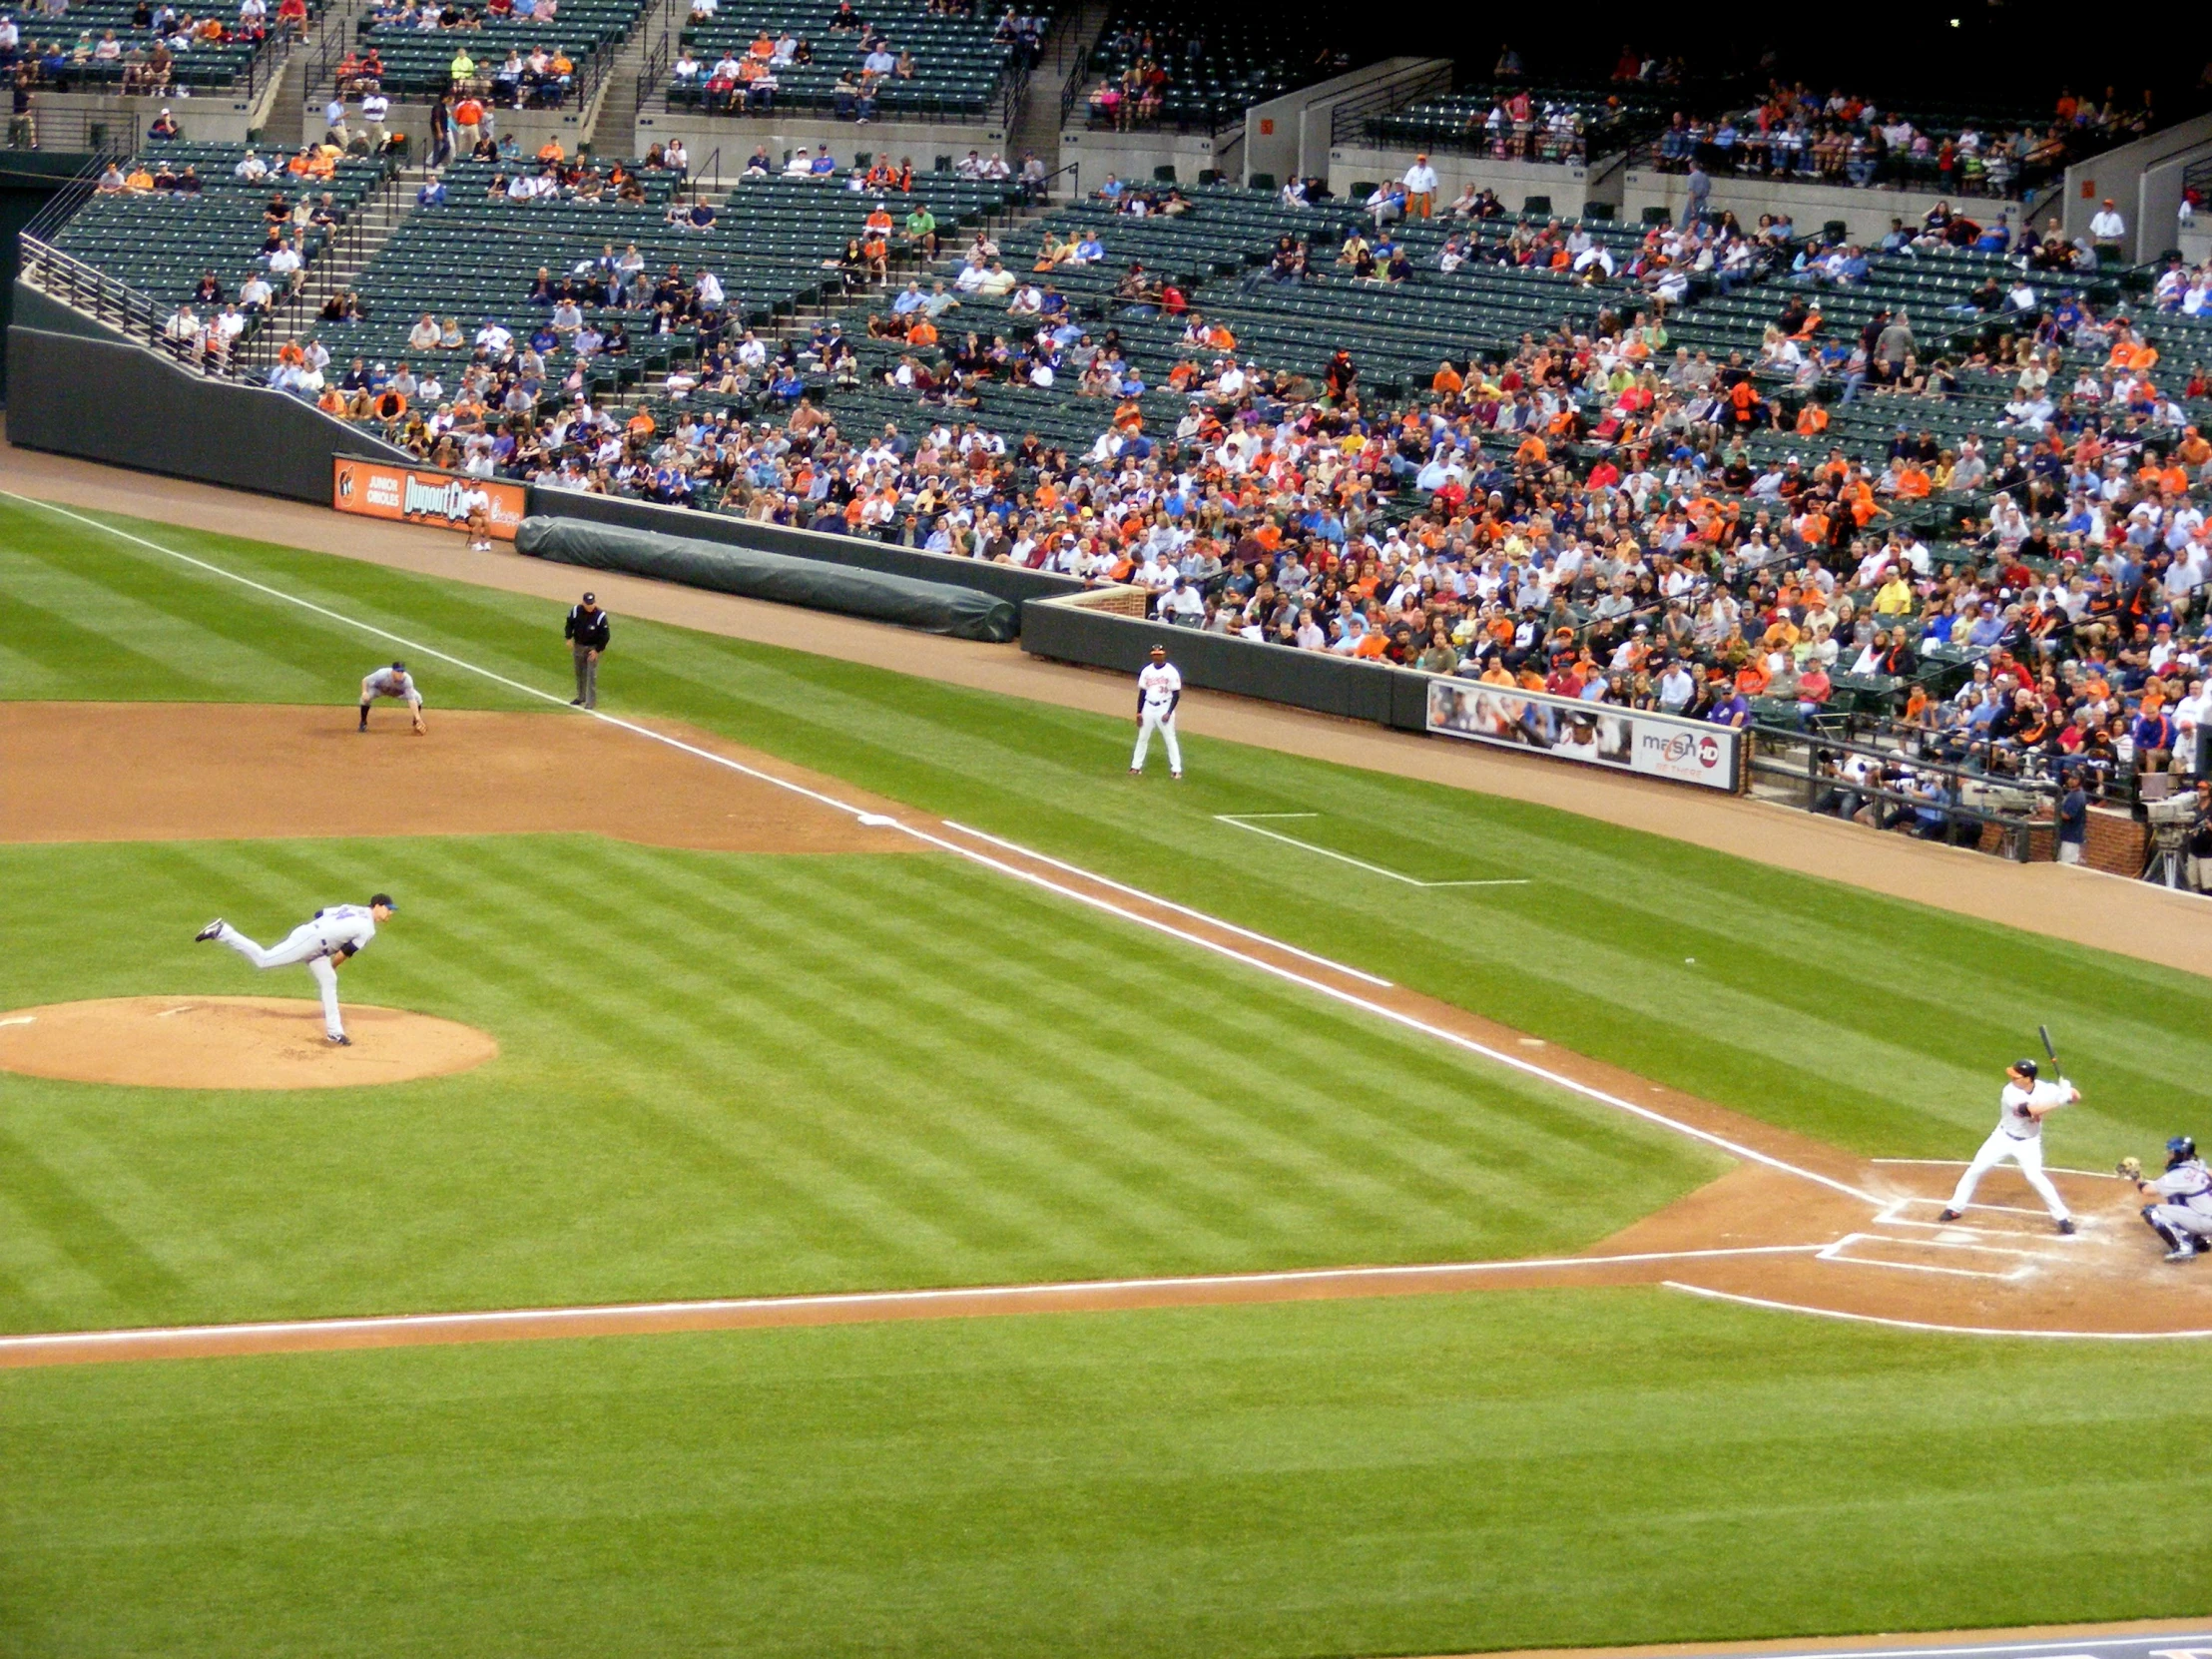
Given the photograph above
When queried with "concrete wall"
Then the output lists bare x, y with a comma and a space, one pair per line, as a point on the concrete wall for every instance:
2144, 182
220, 118
1568, 183
1866, 213
531, 128
1290, 135
923, 142
1135, 154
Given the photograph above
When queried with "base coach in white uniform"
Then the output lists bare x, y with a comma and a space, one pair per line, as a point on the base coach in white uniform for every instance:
331, 936
1159, 690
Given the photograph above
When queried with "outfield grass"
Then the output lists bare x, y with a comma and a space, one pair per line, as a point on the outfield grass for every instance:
1419, 1476
1868, 1021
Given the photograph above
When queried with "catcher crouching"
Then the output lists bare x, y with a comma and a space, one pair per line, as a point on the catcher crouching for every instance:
2181, 1209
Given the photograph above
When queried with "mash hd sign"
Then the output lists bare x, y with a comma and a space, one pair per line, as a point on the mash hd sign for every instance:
377, 489
1627, 740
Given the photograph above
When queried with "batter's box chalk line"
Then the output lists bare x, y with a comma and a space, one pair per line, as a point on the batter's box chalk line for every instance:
1839, 1252
1892, 1216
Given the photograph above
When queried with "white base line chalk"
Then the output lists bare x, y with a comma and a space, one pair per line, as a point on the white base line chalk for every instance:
1010, 1294
1942, 1330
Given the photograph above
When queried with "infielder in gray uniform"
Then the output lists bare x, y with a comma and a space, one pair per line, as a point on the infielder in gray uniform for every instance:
394, 681
2180, 1211
331, 936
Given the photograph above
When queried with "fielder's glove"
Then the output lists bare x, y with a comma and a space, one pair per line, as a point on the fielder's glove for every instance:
2132, 1168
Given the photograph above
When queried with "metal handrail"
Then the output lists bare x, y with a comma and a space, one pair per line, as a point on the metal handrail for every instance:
1393, 91
130, 312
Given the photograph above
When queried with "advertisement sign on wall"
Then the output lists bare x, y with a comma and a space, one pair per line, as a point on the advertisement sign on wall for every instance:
420, 496
1627, 740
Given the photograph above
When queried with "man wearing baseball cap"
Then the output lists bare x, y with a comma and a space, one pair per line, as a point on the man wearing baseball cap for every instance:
330, 938
1159, 690
588, 632
2107, 230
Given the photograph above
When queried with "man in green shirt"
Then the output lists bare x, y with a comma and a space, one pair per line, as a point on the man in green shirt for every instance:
921, 231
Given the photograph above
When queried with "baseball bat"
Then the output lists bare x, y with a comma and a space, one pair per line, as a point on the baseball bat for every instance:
2043, 1031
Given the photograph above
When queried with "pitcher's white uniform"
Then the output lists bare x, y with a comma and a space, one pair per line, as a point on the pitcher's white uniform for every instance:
339, 930
1159, 690
2020, 1137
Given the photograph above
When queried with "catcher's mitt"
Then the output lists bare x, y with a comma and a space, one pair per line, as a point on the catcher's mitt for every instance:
2132, 1168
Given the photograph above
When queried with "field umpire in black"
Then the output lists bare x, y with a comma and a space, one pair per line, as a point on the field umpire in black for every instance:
588, 630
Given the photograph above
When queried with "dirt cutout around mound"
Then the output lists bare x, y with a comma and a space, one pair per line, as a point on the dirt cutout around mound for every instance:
113, 771
233, 1043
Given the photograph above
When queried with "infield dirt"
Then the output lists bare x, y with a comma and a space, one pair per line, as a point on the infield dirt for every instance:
128, 772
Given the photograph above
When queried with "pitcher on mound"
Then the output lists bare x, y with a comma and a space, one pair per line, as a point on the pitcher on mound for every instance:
325, 939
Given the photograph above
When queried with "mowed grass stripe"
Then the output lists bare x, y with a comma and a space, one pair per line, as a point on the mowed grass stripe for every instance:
146, 617
1417, 1476
1343, 1139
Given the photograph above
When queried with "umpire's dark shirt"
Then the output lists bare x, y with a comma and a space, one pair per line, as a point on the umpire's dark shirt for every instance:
589, 629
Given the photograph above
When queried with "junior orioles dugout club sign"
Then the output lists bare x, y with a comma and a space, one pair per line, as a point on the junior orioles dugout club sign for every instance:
377, 490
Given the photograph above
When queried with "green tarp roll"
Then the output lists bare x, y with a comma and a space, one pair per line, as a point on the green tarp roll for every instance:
932, 607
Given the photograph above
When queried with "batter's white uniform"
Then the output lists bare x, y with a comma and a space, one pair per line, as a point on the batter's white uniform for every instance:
1159, 688
315, 944
2018, 1136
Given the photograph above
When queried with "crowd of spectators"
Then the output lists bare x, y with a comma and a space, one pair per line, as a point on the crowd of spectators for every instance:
1846, 138
145, 56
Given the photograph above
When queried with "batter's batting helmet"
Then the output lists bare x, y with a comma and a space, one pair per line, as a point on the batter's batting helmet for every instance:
2026, 1068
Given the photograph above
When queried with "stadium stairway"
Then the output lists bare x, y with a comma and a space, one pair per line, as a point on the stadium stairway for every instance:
611, 130
297, 111
378, 216
1067, 52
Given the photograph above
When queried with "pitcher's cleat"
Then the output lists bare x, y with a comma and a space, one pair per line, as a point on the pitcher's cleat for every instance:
340, 1042
214, 930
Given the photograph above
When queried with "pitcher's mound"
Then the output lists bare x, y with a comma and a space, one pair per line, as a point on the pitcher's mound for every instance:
232, 1042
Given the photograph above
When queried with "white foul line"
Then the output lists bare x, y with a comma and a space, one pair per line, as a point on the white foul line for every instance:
1237, 820
859, 1299
1946, 1329
1515, 1061
1169, 904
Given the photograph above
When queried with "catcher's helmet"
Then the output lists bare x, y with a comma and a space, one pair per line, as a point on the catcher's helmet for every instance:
2026, 1068
2180, 1150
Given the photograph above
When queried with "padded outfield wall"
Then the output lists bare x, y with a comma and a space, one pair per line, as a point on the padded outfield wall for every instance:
75, 387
